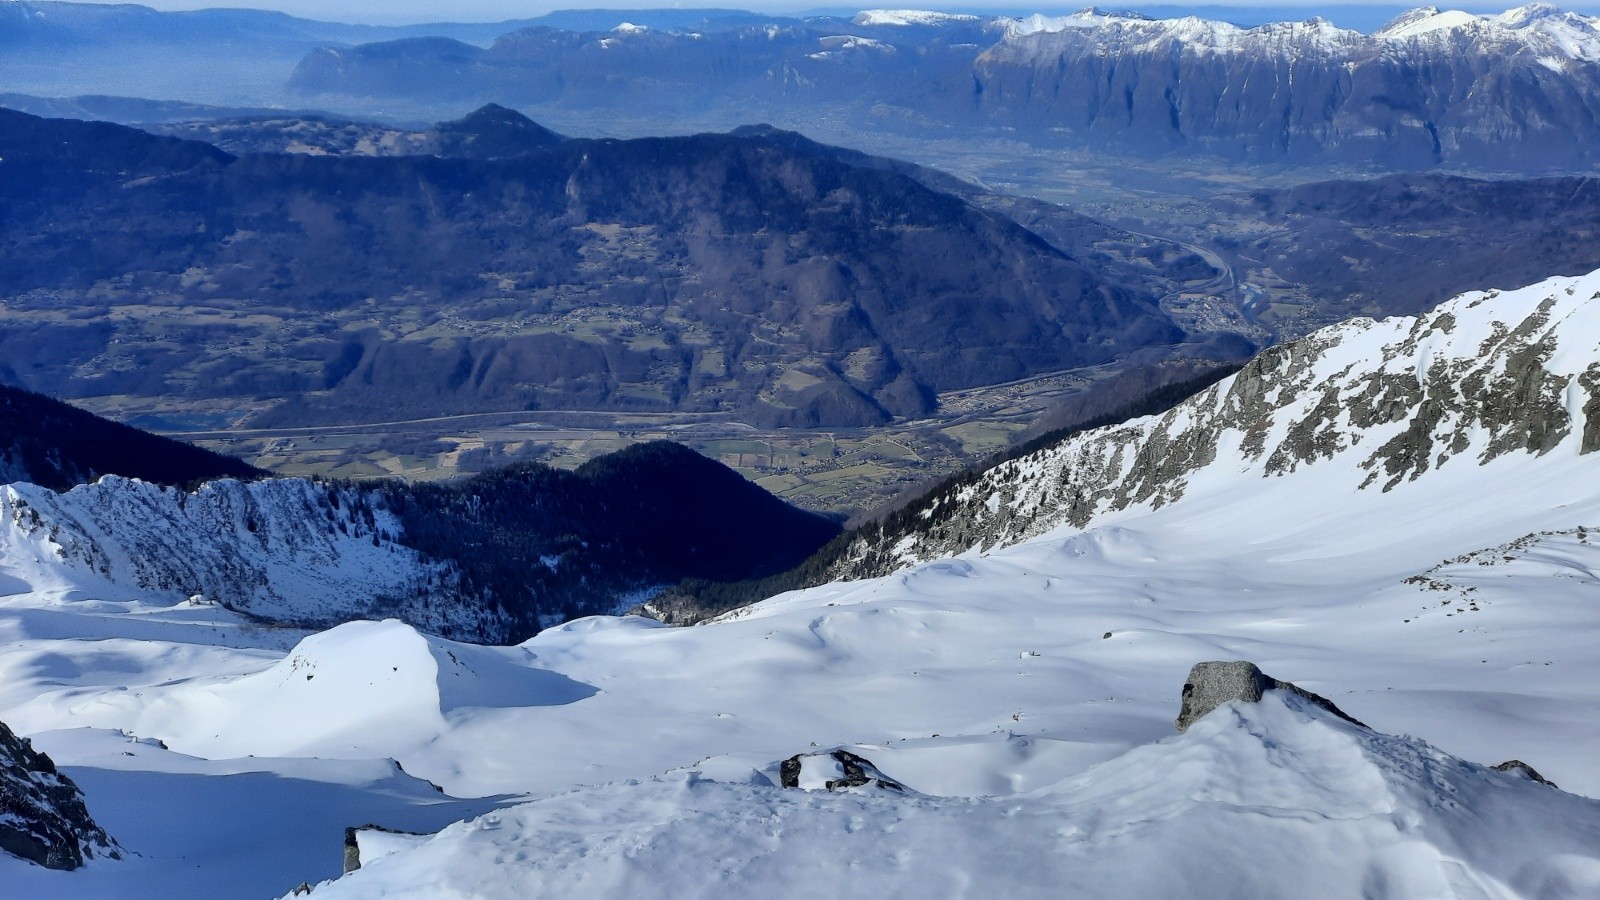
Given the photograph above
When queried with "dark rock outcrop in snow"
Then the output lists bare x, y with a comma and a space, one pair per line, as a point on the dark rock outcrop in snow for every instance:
805, 770
1211, 684
352, 843
42, 815
1519, 768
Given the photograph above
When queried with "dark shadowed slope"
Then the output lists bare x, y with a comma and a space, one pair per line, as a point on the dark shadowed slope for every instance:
50, 443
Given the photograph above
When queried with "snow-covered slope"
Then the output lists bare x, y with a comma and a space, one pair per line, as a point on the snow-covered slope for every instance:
1022, 690
1355, 408
357, 691
1541, 29
1264, 800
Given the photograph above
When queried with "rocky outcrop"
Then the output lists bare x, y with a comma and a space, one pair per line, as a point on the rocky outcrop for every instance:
1522, 770
1211, 684
43, 818
352, 843
835, 770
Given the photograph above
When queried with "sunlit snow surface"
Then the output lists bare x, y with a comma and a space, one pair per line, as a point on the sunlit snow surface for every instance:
1026, 697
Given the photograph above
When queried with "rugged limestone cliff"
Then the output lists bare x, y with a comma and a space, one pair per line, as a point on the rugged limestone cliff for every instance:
1517, 90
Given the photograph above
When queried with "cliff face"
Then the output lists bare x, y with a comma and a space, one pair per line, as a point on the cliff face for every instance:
1517, 90
1364, 406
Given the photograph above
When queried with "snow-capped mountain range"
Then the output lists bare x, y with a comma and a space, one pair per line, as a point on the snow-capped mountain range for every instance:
1514, 90
1544, 30
1397, 515
1517, 91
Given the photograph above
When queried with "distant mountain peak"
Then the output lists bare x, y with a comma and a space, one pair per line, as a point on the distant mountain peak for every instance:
493, 115
493, 131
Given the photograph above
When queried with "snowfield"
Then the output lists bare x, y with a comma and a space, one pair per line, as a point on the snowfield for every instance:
1025, 697
1257, 800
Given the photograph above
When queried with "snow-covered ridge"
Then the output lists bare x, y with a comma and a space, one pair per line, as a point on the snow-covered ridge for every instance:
1541, 29
909, 17
284, 549
1362, 406
1227, 809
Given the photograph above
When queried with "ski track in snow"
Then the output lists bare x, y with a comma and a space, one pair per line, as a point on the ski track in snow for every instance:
1025, 696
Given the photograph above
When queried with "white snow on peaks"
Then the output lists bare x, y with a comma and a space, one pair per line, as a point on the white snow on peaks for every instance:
629, 28
838, 43
907, 17
1128, 32
1540, 28
1423, 20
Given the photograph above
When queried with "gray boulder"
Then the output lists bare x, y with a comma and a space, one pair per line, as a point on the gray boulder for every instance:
1211, 684
42, 815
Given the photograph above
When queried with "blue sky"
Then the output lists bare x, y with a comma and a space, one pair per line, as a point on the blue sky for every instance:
1348, 14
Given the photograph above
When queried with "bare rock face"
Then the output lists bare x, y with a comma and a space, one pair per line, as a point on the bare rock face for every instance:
835, 770
1211, 684
42, 816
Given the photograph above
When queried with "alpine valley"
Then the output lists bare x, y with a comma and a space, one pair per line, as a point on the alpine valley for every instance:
1093, 455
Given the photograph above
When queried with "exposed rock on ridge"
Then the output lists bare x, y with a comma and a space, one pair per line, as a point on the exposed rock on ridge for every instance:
1382, 403
1211, 684
1520, 768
